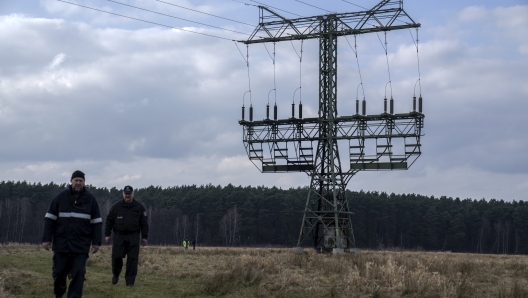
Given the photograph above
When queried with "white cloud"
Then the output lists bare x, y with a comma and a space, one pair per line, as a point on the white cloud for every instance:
57, 60
473, 13
234, 164
136, 144
126, 180
513, 18
58, 7
514, 23
458, 181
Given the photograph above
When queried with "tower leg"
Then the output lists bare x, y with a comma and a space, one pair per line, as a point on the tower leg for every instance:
326, 215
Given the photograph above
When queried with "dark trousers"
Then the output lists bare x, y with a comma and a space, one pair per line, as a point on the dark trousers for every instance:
64, 263
126, 245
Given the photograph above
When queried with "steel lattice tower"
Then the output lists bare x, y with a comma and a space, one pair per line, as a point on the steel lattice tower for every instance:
287, 145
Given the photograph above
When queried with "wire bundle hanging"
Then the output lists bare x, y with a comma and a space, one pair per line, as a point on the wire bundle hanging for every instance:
300, 82
274, 85
249, 85
419, 75
364, 104
389, 83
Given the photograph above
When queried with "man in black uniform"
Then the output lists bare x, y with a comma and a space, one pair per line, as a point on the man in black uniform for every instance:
72, 223
127, 218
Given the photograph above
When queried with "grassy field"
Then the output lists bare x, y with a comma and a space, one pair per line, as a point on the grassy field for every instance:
25, 271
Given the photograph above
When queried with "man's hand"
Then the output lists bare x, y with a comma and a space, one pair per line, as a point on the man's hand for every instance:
107, 240
144, 241
46, 245
95, 248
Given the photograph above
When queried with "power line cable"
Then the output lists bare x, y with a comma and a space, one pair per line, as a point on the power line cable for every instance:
144, 9
275, 8
244, 3
205, 13
313, 6
154, 23
355, 4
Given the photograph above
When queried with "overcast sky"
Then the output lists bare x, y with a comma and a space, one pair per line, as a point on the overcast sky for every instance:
130, 102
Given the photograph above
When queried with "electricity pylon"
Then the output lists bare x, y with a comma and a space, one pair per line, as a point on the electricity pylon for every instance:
287, 145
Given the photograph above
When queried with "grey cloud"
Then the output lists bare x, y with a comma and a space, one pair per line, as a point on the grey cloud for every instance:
157, 106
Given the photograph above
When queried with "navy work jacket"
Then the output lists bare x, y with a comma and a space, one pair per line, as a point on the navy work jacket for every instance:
127, 218
73, 224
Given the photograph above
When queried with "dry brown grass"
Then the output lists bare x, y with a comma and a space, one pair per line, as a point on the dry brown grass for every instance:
276, 272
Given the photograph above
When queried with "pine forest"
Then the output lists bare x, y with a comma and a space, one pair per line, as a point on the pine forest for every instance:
271, 217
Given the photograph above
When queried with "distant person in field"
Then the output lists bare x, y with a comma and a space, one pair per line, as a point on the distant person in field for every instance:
185, 244
193, 244
72, 223
128, 219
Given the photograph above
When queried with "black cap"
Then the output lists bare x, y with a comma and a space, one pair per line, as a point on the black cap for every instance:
128, 189
77, 174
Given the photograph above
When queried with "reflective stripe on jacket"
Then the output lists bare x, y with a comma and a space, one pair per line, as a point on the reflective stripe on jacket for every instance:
73, 224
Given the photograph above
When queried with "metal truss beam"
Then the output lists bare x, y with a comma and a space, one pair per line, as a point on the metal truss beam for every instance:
385, 16
347, 128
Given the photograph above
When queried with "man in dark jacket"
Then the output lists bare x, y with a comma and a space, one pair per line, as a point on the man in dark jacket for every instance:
72, 223
127, 218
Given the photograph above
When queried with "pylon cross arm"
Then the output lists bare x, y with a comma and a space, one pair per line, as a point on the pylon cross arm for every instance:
385, 16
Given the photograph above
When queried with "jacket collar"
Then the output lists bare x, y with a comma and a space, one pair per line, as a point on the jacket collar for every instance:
127, 204
83, 190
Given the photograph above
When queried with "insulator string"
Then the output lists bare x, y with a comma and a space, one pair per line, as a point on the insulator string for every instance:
249, 79
385, 47
274, 76
354, 49
300, 71
418, 58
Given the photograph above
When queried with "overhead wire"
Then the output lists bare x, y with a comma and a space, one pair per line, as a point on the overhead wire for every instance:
247, 54
354, 4
244, 3
145, 21
246, 59
228, 19
275, 8
163, 14
313, 6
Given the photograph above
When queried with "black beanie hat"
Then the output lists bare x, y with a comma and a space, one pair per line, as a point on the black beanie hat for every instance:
77, 174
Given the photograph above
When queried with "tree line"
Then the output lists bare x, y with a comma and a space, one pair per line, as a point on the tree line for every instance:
260, 216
